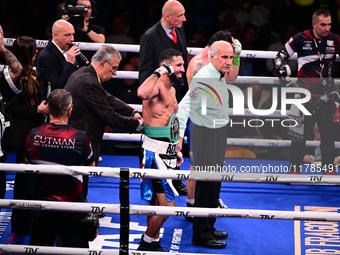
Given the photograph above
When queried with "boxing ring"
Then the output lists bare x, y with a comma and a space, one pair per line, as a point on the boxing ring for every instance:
319, 217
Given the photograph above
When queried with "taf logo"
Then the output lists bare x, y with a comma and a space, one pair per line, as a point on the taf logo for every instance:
95, 252
30, 250
96, 209
267, 217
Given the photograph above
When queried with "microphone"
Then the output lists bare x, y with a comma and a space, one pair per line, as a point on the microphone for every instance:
81, 55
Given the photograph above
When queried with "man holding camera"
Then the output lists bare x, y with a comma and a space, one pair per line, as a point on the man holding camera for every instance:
86, 31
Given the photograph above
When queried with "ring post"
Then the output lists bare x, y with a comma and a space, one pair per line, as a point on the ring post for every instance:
124, 211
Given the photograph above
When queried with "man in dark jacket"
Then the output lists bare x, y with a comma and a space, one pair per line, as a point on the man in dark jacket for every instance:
93, 107
57, 61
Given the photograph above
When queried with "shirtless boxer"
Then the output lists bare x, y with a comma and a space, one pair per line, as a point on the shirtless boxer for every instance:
161, 129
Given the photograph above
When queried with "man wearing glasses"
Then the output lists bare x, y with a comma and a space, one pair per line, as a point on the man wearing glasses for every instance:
93, 107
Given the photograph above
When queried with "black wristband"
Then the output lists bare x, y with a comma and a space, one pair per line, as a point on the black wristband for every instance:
157, 74
167, 67
133, 113
88, 30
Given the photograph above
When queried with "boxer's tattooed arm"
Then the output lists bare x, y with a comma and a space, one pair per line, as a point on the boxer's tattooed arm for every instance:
197, 68
15, 67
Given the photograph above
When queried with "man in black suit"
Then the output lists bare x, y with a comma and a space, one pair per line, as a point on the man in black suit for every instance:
93, 107
159, 38
168, 33
57, 61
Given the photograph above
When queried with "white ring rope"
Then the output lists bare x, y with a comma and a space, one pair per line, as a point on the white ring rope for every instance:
230, 141
247, 112
24, 249
265, 173
135, 48
168, 210
240, 79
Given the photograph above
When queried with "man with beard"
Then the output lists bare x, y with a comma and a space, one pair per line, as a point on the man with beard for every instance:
161, 131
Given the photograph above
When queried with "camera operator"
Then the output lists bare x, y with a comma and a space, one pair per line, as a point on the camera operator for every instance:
86, 31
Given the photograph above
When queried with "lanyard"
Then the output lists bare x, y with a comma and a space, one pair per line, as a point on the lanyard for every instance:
322, 65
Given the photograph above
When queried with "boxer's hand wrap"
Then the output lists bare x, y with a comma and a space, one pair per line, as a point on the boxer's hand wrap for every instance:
280, 57
238, 49
164, 69
285, 71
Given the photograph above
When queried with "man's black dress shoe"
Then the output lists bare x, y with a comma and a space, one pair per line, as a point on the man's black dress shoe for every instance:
219, 234
181, 189
189, 218
209, 243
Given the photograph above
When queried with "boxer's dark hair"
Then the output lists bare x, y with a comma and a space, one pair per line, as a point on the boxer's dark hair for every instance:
222, 35
168, 54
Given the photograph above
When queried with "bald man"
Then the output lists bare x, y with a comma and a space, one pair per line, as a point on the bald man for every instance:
57, 61
200, 60
159, 38
209, 140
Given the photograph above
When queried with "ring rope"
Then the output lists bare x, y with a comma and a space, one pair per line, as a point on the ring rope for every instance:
168, 210
135, 48
240, 79
247, 112
251, 174
24, 249
230, 141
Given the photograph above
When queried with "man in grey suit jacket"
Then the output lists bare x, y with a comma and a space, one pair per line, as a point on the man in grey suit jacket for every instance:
57, 61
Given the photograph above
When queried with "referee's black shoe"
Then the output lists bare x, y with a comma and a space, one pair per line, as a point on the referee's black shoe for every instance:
189, 218
181, 189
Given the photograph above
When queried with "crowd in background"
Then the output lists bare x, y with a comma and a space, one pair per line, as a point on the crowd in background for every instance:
125, 21
257, 24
